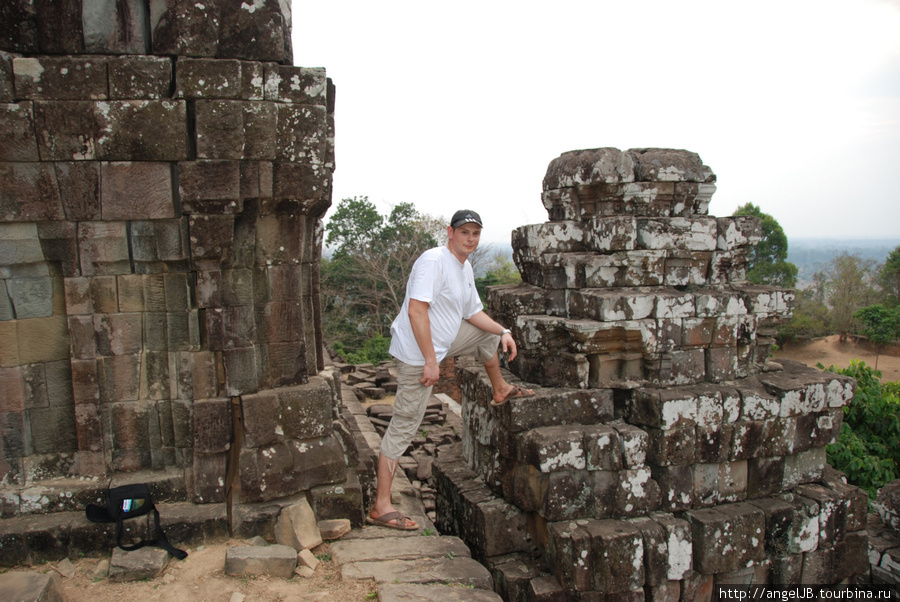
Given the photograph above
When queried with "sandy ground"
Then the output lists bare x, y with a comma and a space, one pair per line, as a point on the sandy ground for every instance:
201, 578
829, 351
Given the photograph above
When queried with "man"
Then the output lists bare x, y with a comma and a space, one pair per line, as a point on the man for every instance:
442, 315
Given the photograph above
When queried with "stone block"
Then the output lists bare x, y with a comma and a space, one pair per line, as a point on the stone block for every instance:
635, 443
301, 134
160, 240
42, 339
636, 268
68, 130
79, 188
103, 248
603, 448
53, 430
297, 527
29, 193
262, 417
31, 297
338, 503
123, 33
208, 78
120, 378
714, 529
7, 93
679, 546
12, 389
259, 35
184, 29
60, 78
212, 240
210, 186
676, 446
136, 190
212, 428
209, 473
676, 487
601, 165
253, 78
617, 554
696, 234
299, 187
570, 555
306, 409
686, 268
804, 467
721, 364
669, 165
139, 77
142, 130
275, 560
637, 493
118, 334
17, 137
241, 373
757, 403
714, 443
553, 448
60, 246
298, 85
195, 376
663, 408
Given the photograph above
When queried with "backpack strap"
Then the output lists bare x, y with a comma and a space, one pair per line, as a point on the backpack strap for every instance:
160, 541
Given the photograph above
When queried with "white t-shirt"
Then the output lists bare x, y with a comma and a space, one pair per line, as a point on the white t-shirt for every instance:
448, 286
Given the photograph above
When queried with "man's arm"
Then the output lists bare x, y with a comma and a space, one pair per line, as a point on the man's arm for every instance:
485, 322
421, 327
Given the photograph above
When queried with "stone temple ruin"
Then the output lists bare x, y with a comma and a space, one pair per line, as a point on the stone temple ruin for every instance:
665, 452
163, 174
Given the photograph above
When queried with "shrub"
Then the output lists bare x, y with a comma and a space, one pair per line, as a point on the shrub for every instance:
868, 449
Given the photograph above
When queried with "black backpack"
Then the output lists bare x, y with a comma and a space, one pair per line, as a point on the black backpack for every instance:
129, 501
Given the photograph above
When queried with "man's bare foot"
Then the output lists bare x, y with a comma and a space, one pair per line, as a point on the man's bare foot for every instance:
512, 391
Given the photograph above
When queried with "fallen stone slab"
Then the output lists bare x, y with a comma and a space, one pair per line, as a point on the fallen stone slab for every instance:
391, 592
462, 571
144, 563
397, 548
276, 560
24, 586
334, 528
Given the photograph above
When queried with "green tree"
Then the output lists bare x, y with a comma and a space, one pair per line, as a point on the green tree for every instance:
880, 324
848, 288
768, 261
364, 281
868, 449
500, 270
810, 318
889, 278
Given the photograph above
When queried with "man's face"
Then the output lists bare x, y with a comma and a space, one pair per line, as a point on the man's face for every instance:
463, 241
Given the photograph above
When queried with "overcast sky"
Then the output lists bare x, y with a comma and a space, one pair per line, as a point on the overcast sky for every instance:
795, 105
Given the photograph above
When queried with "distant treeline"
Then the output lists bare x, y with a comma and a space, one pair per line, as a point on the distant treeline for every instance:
811, 255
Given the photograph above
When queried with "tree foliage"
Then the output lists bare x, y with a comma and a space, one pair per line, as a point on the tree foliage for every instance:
848, 288
889, 278
768, 261
500, 270
880, 324
364, 281
868, 449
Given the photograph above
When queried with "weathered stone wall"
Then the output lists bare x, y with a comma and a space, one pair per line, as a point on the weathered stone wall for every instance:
163, 172
663, 452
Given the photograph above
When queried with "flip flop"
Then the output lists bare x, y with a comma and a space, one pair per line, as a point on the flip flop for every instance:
514, 392
385, 521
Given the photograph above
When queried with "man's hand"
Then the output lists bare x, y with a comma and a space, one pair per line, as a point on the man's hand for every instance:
430, 375
508, 345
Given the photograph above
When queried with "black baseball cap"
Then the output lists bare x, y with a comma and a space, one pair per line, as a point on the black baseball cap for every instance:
464, 216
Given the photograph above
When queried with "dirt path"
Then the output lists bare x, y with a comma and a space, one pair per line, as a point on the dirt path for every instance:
201, 577
829, 351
